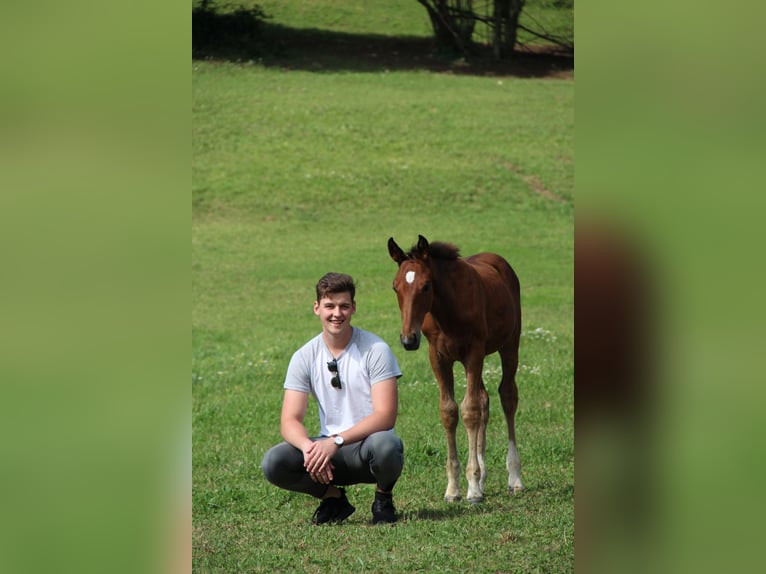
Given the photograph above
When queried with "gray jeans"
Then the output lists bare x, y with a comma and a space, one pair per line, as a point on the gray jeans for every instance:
378, 459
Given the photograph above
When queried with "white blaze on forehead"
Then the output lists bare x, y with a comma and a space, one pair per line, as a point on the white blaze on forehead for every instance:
409, 276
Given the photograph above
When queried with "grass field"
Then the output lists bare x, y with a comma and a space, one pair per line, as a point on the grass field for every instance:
298, 173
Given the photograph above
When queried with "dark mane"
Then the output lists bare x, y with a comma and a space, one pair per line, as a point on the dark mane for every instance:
439, 250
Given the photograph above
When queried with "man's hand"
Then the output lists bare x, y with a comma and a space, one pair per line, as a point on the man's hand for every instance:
317, 460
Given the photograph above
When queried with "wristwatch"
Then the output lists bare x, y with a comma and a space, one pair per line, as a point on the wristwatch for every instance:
338, 439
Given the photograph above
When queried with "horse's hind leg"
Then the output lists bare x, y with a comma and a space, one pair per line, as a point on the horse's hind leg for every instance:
475, 411
509, 399
449, 415
481, 445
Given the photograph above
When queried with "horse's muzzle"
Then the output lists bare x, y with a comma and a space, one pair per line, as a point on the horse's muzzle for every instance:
410, 342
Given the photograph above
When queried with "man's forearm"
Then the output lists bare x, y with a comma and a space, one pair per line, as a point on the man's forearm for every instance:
373, 423
295, 433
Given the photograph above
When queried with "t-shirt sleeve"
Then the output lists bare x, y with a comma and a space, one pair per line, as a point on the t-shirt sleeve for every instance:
298, 376
382, 363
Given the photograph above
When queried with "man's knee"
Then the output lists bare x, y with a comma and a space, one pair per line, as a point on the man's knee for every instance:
388, 449
278, 461
267, 465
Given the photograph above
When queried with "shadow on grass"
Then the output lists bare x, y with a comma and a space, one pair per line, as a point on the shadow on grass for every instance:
450, 510
433, 513
245, 38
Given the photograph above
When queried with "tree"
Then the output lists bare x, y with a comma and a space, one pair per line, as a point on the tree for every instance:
505, 26
454, 22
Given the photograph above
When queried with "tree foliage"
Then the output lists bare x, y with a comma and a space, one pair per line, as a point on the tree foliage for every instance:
221, 29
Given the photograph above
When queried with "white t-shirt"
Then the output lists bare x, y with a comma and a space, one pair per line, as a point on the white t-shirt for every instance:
366, 360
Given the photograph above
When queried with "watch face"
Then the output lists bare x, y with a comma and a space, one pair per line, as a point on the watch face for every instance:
339, 440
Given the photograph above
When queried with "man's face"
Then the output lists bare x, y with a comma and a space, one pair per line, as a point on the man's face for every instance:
335, 310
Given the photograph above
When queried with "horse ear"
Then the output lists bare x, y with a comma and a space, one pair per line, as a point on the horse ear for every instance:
395, 251
423, 248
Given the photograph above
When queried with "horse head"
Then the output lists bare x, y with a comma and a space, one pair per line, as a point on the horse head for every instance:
413, 288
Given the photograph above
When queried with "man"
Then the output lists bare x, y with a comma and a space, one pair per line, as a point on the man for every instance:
352, 374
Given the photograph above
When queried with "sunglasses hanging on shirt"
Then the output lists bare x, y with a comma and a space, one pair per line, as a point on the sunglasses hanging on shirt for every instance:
332, 366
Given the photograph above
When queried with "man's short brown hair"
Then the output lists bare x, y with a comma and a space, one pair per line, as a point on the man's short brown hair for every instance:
335, 283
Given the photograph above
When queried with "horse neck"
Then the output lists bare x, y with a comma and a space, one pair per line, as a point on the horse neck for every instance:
444, 274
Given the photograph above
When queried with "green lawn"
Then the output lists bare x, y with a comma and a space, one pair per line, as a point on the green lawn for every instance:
298, 173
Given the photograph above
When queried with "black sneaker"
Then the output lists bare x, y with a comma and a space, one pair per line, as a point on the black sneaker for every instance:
333, 509
383, 511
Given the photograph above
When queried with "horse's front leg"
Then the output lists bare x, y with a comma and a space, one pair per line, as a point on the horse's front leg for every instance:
475, 412
448, 408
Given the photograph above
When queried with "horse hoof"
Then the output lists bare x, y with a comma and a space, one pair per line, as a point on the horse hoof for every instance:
515, 489
476, 500
452, 498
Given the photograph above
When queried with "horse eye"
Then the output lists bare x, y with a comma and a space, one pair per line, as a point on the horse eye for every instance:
393, 287
426, 288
